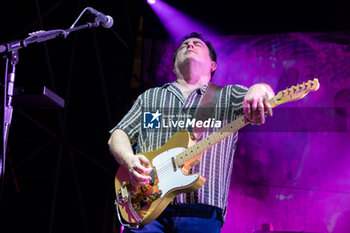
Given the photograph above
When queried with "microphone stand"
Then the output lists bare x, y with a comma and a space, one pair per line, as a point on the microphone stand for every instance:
12, 57
7, 108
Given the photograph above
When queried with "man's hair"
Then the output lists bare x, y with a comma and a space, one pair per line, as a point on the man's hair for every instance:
212, 52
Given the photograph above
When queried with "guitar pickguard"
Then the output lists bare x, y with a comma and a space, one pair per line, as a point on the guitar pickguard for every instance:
170, 178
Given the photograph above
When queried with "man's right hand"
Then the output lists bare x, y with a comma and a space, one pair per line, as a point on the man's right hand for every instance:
138, 167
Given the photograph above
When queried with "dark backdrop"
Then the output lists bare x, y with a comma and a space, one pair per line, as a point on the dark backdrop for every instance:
60, 174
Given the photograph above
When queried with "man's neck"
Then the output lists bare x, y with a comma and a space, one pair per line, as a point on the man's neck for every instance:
187, 86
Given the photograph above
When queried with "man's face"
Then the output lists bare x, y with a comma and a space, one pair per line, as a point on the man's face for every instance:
193, 49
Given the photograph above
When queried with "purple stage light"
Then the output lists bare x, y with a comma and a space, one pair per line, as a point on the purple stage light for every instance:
297, 178
151, 2
177, 23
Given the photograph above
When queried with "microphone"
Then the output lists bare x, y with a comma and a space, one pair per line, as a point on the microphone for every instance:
105, 20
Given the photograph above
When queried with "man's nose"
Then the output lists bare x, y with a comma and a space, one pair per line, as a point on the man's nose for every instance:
190, 45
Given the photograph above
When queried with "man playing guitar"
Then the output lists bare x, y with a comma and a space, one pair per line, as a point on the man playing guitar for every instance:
202, 210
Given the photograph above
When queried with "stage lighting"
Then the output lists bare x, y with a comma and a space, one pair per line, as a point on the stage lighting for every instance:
151, 1
176, 22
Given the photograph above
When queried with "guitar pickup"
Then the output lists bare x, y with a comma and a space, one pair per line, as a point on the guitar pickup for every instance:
173, 163
152, 175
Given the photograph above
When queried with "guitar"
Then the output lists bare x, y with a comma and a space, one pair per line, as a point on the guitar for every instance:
171, 165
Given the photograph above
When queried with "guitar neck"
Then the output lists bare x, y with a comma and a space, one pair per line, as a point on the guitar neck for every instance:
228, 129
290, 94
215, 137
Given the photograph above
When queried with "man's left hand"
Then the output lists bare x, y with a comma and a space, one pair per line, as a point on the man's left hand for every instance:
256, 103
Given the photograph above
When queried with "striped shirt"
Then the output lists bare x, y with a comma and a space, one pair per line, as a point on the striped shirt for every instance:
216, 162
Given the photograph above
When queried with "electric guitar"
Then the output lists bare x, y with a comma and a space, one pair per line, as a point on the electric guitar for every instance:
171, 165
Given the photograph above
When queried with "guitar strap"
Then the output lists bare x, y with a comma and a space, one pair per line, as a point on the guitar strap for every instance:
206, 107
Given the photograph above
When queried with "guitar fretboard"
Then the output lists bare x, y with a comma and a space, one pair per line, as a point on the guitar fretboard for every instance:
290, 94
214, 138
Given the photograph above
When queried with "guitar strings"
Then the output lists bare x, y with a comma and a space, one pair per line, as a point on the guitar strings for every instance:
164, 166
163, 171
198, 149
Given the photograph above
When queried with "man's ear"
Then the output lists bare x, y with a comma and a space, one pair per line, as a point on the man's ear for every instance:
174, 64
213, 66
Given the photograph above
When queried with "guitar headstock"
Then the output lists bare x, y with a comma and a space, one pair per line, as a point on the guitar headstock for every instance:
297, 92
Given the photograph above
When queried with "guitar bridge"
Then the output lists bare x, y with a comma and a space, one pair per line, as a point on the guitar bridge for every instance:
139, 200
141, 196
123, 193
